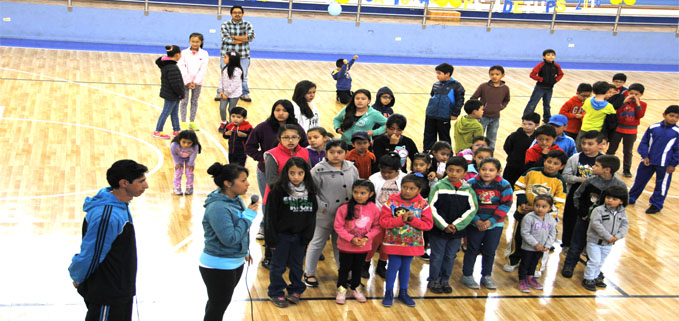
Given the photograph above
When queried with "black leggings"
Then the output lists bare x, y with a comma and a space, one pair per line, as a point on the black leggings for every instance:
350, 262
220, 285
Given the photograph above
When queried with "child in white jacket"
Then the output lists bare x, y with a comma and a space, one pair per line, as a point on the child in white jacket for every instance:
193, 65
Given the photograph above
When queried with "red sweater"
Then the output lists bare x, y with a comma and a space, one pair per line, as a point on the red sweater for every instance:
629, 115
534, 153
571, 108
402, 238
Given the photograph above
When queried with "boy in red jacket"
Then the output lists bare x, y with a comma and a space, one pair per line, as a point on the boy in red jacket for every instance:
547, 74
629, 116
545, 135
572, 109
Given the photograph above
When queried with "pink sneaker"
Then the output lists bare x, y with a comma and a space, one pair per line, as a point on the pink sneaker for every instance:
175, 133
161, 135
341, 297
359, 296
523, 286
533, 283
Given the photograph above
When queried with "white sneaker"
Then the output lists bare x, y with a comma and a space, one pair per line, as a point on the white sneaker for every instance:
509, 268
537, 274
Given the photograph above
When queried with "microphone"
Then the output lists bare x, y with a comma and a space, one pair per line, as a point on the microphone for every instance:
254, 199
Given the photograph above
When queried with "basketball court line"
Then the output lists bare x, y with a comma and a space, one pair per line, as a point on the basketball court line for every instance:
210, 137
158, 153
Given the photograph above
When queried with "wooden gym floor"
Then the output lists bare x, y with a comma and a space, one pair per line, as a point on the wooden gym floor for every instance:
65, 116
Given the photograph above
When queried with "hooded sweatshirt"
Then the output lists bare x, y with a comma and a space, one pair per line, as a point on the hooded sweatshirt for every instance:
385, 110
452, 204
569, 109
401, 238
342, 76
334, 188
606, 223
226, 224
106, 267
536, 230
595, 113
466, 128
493, 98
366, 223
516, 146
171, 81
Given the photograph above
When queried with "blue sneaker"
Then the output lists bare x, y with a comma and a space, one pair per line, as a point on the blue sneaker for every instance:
388, 298
405, 298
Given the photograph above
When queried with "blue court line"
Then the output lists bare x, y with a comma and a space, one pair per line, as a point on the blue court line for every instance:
92, 46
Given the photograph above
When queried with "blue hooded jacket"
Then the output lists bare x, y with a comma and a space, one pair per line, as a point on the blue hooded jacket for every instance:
446, 100
226, 227
106, 267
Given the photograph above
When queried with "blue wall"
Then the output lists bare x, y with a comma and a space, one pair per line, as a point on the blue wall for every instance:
46, 22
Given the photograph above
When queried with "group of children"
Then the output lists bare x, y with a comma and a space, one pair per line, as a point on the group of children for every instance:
355, 190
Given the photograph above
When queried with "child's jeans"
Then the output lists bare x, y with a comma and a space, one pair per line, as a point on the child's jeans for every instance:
484, 242
170, 108
490, 126
398, 264
442, 258
596, 256
540, 93
289, 253
178, 175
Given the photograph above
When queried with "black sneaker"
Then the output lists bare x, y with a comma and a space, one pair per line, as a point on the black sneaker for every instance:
381, 269
627, 174
280, 301
652, 210
567, 271
446, 288
365, 270
600, 280
435, 287
589, 284
425, 256
322, 257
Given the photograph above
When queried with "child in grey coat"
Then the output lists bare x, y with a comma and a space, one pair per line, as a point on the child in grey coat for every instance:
608, 223
538, 231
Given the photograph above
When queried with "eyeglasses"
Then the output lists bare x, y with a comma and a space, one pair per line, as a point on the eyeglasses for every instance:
237, 12
290, 138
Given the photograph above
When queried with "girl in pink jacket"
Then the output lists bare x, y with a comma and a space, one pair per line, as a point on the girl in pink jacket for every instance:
404, 217
356, 223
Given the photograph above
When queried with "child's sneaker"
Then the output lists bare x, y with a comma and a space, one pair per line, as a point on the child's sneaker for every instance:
280, 301
567, 271
184, 125
161, 135
537, 274
405, 298
175, 133
523, 286
533, 283
509, 267
294, 298
589, 284
341, 297
488, 282
469, 282
193, 126
388, 298
359, 296
178, 190
189, 190
600, 281
435, 287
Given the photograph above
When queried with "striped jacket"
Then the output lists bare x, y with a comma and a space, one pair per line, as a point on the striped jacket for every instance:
660, 144
452, 204
106, 267
494, 199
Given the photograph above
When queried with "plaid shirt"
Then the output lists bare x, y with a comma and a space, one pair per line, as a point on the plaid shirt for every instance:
242, 28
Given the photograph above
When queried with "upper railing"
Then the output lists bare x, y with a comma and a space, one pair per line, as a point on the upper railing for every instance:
598, 12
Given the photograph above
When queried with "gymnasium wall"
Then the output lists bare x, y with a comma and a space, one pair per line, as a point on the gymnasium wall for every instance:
125, 27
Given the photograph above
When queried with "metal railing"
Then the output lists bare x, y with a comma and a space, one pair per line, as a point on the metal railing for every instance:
424, 15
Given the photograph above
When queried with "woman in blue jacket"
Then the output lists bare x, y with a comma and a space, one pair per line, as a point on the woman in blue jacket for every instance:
226, 224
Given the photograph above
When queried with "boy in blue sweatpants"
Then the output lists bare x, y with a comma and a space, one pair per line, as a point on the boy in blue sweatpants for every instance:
659, 149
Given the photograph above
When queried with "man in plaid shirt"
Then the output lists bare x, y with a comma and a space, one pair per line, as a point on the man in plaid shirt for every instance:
236, 36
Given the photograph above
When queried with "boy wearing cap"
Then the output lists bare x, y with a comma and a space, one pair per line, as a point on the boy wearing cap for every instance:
363, 159
565, 142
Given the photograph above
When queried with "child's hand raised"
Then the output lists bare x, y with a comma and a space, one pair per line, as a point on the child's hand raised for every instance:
355, 57
345, 61
431, 176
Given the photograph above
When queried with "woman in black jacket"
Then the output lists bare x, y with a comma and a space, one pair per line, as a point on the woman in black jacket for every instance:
171, 89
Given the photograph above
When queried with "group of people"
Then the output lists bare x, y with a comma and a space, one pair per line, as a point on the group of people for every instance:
372, 190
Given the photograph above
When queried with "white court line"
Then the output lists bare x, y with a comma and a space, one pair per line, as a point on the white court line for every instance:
212, 139
158, 153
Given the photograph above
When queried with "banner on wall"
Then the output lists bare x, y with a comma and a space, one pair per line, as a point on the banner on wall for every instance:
505, 6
